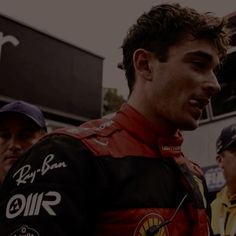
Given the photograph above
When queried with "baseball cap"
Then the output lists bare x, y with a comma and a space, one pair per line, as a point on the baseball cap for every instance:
226, 139
27, 109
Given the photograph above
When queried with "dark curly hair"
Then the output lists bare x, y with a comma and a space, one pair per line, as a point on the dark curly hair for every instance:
166, 25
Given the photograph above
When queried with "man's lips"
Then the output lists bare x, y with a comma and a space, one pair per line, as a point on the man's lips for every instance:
200, 103
197, 106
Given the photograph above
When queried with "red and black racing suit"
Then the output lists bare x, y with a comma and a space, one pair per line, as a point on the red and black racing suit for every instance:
105, 178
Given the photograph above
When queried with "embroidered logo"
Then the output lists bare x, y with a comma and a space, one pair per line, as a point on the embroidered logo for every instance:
32, 204
25, 174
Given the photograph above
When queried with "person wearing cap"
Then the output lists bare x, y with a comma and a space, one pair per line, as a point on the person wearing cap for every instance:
21, 125
224, 205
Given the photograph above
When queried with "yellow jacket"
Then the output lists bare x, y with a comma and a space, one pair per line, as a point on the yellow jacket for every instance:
224, 214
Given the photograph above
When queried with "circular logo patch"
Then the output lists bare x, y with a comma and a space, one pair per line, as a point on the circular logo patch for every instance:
147, 226
24, 230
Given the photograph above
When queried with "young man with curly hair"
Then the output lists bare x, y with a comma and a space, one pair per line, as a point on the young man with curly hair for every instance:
127, 175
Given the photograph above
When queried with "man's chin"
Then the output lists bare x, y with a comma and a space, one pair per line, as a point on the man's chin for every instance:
190, 125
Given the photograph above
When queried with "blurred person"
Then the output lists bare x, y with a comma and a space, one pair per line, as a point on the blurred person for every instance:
126, 175
21, 125
224, 205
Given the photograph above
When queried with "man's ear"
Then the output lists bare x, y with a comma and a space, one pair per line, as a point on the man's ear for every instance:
142, 63
219, 159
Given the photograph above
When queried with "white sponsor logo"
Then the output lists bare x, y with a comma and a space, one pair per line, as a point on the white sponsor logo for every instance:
7, 38
25, 230
24, 174
32, 204
171, 148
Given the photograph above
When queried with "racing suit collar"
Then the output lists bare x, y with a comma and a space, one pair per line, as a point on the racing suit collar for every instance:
140, 127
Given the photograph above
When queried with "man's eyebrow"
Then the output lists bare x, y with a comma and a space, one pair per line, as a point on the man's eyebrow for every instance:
201, 54
205, 56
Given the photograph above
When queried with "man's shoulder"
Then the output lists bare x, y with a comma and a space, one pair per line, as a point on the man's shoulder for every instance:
100, 127
94, 134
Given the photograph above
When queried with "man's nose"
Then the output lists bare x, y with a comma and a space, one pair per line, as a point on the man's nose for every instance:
14, 144
212, 85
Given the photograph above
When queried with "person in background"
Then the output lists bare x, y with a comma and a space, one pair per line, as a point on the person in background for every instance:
21, 125
224, 205
126, 175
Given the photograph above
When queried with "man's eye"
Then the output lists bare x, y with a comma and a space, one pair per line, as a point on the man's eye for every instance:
199, 64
